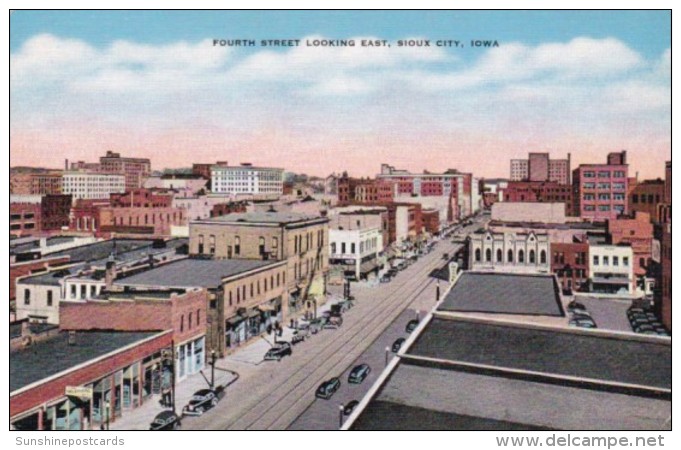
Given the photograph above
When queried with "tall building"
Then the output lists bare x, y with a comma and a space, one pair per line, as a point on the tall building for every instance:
90, 185
540, 167
247, 179
49, 183
646, 196
135, 170
599, 191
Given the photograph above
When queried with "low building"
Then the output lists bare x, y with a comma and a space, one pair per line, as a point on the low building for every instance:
538, 192
636, 231
570, 264
611, 270
509, 252
431, 221
355, 242
84, 380
646, 196
553, 213
24, 215
55, 210
151, 221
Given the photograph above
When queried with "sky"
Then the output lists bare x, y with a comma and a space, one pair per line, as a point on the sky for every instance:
151, 83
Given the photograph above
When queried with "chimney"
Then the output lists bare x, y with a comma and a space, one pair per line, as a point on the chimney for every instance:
110, 274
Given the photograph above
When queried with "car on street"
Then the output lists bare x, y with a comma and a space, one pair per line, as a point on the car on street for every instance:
386, 278
201, 401
411, 326
351, 405
328, 388
578, 313
359, 373
300, 335
642, 328
278, 351
574, 305
398, 344
582, 323
445, 256
165, 420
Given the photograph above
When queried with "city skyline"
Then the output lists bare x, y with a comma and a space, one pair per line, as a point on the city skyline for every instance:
591, 83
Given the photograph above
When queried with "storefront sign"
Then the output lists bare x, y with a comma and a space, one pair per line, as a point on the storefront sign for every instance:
79, 391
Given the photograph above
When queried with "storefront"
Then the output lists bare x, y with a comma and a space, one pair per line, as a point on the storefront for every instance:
252, 322
190, 357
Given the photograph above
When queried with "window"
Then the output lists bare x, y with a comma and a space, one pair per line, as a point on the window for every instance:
521, 257
238, 296
237, 245
211, 244
606, 260
634, 198
500, 256
604, 174
588, 196
596, 260
74, 291
275, 243
230, 298
189, 322
642, 262
589, 174
200, 250
477, 255
488, 255
261, 245
251, 289
49, 298
509, 256
615, 261
533, 257
295, 244
182, 323
604, 208
352, 248
619, 174
343, 248
542, 257
27, 297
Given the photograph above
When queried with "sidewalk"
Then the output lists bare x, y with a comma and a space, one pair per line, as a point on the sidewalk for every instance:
140, 418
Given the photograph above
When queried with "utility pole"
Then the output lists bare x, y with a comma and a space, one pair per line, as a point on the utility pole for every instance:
213, 356
172, 343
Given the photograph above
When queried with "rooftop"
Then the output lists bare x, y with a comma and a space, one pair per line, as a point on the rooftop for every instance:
265, 217
100, 250
52, 356
504, 294
186, 273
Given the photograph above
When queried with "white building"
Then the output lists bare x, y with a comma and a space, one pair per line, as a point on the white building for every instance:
247, 179
611, 270
510, 252
355, 241
89, 185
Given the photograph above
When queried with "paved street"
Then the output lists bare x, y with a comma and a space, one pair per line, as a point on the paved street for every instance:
609, 314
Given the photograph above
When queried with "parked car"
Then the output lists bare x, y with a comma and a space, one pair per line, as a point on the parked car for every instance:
165, 420
317, 324
300, 335
578, 313
574, 305
359, 373
201, 401
277, 352
337, 321
328, 388
411, 326
582, 323
386, 278
642, 328
398, 344
350, 407
445, 256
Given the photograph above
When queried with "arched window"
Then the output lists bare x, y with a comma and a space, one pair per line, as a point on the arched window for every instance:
477, 255
500, 256
509, 256
542, 257
533, 257
488, 255
521, 256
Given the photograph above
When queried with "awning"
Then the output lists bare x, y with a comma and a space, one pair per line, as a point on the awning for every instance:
368, 266
234, 321
253, 313
317, 287
600, 280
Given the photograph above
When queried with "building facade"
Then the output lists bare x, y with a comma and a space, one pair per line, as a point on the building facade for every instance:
539, 167
49, 183
570, 264
135, 170
538, 192
611, 270
91, 185
636, 231
24, 215
646, 196
600, 190
509, 252
247, 179
55, 211
355, 242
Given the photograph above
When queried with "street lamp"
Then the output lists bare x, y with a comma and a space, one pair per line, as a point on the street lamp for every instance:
387, 354
107, 406
213, 356
341, 410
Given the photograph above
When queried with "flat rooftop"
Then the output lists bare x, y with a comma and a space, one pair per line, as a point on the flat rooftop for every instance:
504, 294
101, 250
426, 398
185, 273
560, 352
265, 217
54, 355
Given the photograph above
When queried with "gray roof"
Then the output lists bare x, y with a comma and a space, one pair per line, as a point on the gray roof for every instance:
54, 355
504, 294
551, 351
101, 250
207, 273
419, 397
283, 217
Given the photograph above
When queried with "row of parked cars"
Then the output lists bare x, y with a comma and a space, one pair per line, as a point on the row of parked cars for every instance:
644, 321
202, 401
579, 316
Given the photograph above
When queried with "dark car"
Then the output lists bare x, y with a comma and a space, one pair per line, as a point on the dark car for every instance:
445, 256
411, 326
573, 306
398, 344
165, 420
359, 374
350, 407
583, 323
328, 388
277, 352
386, 278
642, 328
201, 402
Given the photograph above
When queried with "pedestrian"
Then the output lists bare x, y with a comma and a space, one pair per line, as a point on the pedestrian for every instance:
166, 396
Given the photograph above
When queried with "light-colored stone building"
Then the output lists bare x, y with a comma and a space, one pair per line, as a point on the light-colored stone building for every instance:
299, 239
355, 242
510, 252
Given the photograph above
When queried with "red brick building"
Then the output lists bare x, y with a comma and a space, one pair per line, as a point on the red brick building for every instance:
570, 263
431, 221
646, 196
49, 183
85, 215
24, 218
539, 192
600, 190
151, 221
141, 198
363, 191
136, 170
55, 211
222, 209
636, 231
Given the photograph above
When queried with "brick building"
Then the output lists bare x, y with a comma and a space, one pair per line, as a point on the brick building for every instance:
24, 215
539, 192
222, 209
299, 239
85, 215
49, 183
570, 264
135, 170
540, 167
646, 196
55, 211
600, 190
150, 221
363, 191
431, 221
636, 231
141, 198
